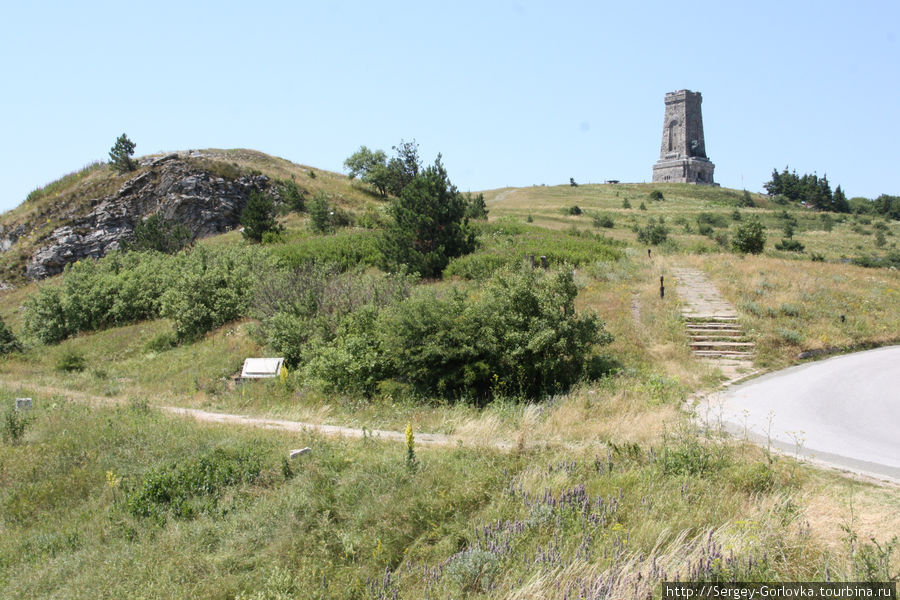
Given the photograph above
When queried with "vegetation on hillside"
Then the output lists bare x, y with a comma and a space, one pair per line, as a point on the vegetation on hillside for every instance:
577, 471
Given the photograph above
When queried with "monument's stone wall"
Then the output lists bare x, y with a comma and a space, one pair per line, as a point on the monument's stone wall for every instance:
682, 153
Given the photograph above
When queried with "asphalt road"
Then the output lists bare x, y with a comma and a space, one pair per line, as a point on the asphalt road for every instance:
842, 411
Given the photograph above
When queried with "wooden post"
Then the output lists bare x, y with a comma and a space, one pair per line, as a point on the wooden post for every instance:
543, 262
662, 288
530, 259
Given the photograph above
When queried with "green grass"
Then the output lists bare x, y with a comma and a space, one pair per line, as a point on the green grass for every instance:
352, 520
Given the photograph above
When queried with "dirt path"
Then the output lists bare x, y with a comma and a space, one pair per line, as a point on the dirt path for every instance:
712, 323
428, 439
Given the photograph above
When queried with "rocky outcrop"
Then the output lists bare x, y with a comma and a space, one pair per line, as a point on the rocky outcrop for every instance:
205, 203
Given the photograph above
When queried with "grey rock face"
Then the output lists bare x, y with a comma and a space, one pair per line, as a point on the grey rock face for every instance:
204, 203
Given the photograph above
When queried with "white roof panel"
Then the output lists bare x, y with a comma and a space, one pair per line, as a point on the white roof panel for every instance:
255, 368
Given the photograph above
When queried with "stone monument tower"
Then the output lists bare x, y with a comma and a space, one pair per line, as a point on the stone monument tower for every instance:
682, 155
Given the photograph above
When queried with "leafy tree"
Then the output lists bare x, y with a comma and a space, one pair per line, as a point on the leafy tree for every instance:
572, 182
371, 167
258, 216
750, 237
428, 225
159, 234
120, 155
8, 341
888, 206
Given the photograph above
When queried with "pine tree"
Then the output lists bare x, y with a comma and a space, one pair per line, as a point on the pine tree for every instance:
839, 201
259, 216
428, 224
120, 155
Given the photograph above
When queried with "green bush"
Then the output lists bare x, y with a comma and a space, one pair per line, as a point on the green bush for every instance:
656, 195
192, 487
305, 306
71, 361
654, 232
519, 336
605, 221
477, 266
8, 341
158, 234
291, 195
346, 249
712, 219
14, 424
789, 245
749, 238
212, 289
115, 290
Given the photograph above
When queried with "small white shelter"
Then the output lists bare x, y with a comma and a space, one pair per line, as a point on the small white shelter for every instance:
261, 368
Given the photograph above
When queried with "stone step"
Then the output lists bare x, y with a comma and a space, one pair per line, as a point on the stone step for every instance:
712, 327
722, 345
736, 337
705, 318
722, 354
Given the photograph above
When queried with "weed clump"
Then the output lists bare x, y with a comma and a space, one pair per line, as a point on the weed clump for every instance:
196, 486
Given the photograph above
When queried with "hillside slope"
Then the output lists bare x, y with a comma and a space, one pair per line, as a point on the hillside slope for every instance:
87, 213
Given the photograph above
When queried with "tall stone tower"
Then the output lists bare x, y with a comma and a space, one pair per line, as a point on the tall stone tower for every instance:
682, 155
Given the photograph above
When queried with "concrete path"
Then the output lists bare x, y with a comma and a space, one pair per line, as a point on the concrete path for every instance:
712, 323
843, 411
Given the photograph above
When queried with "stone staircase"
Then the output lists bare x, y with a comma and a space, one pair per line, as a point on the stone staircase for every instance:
712, 324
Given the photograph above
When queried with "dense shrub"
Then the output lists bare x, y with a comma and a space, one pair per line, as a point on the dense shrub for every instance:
307, 305
506, 244
211, 289
520, 336
712, 219
605, 221
291, 195
789, 245
346, 249
115, 290
654, 232
71, 361
194, 486
8, 341
158, 234
477, 266
749, 238
656, 195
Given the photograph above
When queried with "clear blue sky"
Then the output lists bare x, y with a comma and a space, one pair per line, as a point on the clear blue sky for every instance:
511, 92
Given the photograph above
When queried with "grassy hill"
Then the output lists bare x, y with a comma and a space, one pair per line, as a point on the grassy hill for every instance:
603, 490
